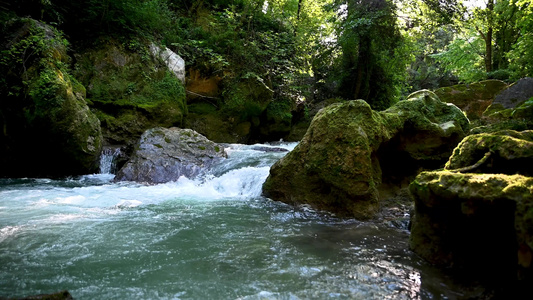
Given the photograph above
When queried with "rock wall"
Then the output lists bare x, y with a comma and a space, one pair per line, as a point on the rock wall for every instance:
48, 129
130, 90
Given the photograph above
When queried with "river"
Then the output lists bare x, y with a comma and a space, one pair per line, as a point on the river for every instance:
209, 238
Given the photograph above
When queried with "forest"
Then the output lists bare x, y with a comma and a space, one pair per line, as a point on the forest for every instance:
377, 50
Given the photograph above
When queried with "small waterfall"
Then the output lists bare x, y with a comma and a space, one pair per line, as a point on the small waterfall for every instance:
108, 160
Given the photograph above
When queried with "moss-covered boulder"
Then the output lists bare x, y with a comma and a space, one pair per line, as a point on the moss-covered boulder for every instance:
164, 155
506, 152
48, 129
472, 98
130, 88
482, 223
515, 94
496, 117
348, 148
511, 109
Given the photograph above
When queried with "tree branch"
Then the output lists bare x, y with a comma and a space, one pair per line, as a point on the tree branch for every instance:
474, 166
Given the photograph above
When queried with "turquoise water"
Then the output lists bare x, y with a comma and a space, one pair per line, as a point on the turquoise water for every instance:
211, 238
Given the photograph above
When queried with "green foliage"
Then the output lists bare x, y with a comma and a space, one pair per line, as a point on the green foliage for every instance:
373, 54
461, 58
34, 54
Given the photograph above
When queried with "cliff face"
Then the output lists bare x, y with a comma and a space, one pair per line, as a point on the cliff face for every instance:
131, 89
58, 110
48, 129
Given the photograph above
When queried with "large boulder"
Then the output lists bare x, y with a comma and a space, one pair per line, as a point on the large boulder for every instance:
469, 219
472, 98
349, 150
481, 223
511, 109
48, 127
515, 94
164, 155
506, 152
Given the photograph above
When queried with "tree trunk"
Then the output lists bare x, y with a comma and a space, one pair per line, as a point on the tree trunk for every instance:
299, 9
488, 50
488, 37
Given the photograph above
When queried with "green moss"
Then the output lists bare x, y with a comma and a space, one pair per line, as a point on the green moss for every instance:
217, 149
167, 140
201, 147
158, 146
202, 108
137, 91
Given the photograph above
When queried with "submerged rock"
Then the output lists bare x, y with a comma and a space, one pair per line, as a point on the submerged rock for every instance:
482, 223
269, 149
164, 155
63, 295
349, 149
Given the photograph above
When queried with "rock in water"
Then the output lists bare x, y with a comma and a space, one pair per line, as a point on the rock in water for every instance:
479, 222
63, 295
349, 149
164, 155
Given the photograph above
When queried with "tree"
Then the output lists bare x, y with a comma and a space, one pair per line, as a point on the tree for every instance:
484, 39
373, 60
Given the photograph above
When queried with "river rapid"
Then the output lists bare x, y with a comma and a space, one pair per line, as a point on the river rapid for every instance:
214, 237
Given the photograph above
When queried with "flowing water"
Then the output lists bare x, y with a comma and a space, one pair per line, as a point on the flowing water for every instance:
211, 238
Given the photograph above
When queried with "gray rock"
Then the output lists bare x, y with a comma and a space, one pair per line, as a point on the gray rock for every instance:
164, 155
515, 94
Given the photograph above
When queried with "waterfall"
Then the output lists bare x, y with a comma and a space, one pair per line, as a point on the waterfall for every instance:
108, 160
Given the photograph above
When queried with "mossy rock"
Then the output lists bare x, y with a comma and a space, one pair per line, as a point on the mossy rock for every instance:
338, 166
472, 98
130, 89
53, 116
496, 117
511, 153
474, 222
333, 168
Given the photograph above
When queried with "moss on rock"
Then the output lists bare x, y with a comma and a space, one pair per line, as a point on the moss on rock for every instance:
479, 222
511, 152
49, 110
130, 90
472, 98
338, 164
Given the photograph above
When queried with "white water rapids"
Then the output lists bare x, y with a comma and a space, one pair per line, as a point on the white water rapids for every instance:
209, 238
